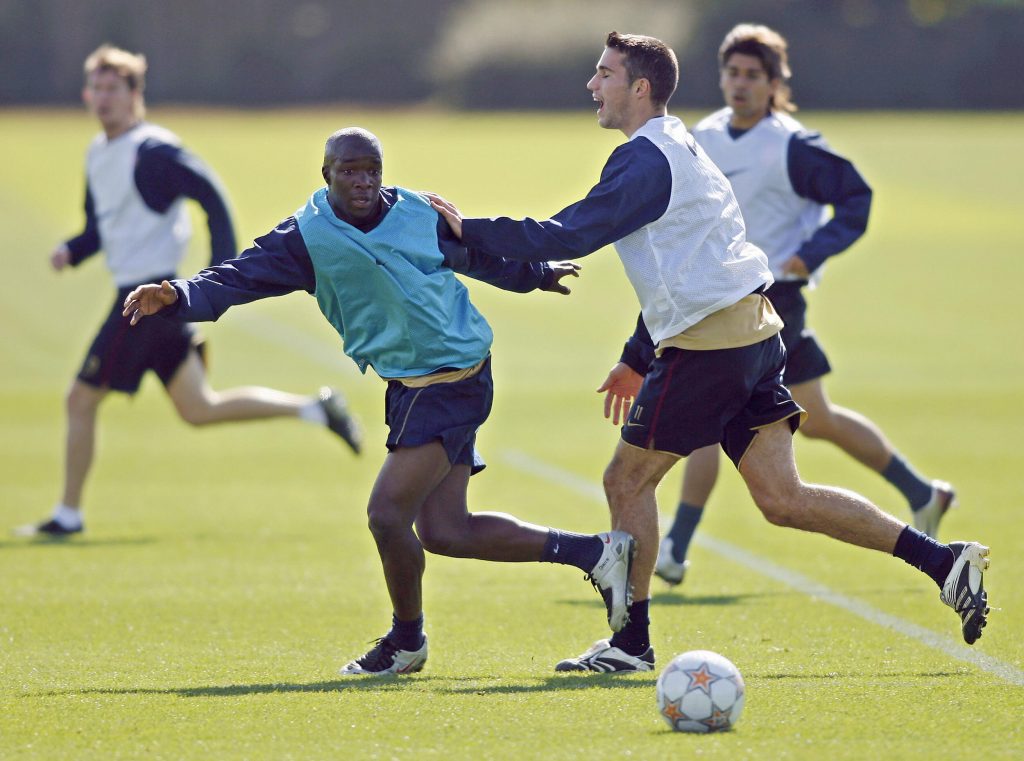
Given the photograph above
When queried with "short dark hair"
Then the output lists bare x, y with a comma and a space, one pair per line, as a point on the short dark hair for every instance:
770, 48
648, 58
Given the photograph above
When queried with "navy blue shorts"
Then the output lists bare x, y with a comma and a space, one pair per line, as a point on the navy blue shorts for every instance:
805, 359
121, 354
692, 399
447, 412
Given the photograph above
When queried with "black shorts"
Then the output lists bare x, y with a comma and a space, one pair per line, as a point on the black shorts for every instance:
121, 354
692, 399
447, 412
805, 359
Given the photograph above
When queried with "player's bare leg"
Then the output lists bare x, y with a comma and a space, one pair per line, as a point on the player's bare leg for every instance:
199, 404
630, 481
408, 476
929, 500
769, 469
850, 431
446, 527
82, 405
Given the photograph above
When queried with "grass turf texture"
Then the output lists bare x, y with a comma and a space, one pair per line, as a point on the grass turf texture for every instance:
227, 574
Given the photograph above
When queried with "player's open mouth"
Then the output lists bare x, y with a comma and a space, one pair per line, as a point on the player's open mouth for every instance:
600, 104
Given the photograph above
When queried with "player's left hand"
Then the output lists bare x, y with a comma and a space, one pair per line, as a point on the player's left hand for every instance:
794, 265
622, 385
558, 271
447, 210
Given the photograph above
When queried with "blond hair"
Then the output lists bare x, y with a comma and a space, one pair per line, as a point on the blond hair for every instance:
769, 47
131, 67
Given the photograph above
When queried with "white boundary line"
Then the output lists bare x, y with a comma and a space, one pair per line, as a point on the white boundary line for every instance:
797, 581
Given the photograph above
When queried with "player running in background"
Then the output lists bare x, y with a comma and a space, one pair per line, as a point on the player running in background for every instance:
784, 178
382, 264
716, 376
137, 179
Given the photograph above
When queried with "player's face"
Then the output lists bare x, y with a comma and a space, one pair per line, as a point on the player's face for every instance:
353, 178
747, 89
611, 89
111, 100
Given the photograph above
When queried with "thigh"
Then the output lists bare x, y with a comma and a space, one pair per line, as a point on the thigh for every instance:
769, 465
636, 468
446, 504
408, 477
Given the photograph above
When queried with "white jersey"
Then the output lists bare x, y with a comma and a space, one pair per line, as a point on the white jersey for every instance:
695, 259
756, 164
139, 243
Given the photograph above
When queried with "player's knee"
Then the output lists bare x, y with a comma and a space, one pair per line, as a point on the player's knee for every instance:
385, 521
777, 503
618, 483
196, 415
439, 539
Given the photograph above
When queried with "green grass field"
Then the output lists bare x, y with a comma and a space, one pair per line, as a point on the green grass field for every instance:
227, 573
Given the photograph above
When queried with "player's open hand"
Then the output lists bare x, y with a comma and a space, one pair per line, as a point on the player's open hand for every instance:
622, 385
559, 270
447, 210
148, 299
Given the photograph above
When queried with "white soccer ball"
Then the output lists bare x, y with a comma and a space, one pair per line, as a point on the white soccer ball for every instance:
700, 691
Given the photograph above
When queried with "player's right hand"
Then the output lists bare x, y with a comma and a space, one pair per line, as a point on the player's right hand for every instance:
148, 299
622, 385
60, 258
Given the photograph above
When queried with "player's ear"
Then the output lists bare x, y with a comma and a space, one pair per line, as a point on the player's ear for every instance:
326, 172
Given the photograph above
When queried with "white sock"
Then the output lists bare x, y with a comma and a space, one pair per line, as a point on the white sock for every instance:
68, 517
313, 412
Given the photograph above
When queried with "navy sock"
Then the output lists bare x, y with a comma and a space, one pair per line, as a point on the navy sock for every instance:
911, 484
635, 637
567, 548
685, 523
406, 635
925, 554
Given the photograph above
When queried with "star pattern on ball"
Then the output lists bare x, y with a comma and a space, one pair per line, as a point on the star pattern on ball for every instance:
718, 719
673, 712
701, 678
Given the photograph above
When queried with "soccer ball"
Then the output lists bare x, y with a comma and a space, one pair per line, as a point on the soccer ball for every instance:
700, 691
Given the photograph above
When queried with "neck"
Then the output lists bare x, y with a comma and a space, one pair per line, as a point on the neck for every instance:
737, 121
640, 119
117, 130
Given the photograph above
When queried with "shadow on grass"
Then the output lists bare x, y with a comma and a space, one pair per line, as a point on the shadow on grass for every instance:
680, 598
72, 543
438, 684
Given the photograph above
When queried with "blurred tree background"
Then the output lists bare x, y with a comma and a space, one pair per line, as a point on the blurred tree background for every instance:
521, 54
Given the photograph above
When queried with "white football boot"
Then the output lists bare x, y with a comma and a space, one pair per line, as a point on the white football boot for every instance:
385, 658
927, 519
666, 568
604, 658
964, 590
610, 576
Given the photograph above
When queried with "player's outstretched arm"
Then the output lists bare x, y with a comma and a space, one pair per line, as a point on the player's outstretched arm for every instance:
620, 389
148, 299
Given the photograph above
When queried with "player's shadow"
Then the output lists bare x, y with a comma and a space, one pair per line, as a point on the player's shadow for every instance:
677, 599
72, 544
424, 683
